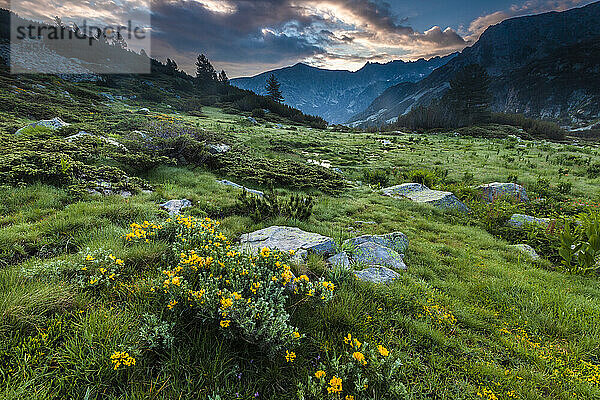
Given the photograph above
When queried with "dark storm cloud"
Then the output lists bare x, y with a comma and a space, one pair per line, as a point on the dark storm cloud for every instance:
272, 31
243, 35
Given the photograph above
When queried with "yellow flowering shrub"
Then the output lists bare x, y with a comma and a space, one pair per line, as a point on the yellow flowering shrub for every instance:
245, 295
362, 371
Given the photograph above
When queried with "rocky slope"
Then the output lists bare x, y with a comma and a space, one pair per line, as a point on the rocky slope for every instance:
338, 95
544, 66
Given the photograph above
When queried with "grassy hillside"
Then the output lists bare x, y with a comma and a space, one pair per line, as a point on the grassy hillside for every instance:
87, 303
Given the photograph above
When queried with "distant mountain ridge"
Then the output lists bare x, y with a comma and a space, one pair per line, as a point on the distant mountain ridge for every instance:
337, 95
545, 66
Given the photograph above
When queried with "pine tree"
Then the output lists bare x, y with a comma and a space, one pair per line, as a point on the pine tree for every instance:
223, 78
469, 96
273, 89
171, 66
205, 72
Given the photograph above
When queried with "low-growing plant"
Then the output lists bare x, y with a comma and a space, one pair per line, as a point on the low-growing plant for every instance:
580, 244
363, 370
271, 205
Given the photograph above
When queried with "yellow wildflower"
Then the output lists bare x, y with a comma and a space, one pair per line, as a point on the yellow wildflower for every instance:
383, 351
335, 385
290, 356
360, 357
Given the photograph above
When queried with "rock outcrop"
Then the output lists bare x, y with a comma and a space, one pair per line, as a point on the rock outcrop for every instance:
378, 275
396, 241
54, 124
285, 238
495, 190
526, 250
174, 207
521, 220
422, 194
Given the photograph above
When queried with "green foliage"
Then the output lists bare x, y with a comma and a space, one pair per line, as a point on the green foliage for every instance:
422, 176
271, 205
156, 333
580, 244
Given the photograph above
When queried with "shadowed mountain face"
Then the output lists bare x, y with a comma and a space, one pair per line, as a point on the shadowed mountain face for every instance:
338, 95
545, 66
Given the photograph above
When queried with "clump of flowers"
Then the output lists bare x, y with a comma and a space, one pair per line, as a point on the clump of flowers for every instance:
244, 294
99, 268
144, 231
121, 359
361, 370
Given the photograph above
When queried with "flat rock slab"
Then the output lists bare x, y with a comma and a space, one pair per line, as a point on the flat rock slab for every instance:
370, 253
235, 185
396, 241
286, 238
422, 194
54, 124
527, 250
496, 190
378, 275
521, 220
174, 207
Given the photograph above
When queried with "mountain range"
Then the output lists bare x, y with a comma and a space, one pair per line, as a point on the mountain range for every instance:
544, 66
338, 95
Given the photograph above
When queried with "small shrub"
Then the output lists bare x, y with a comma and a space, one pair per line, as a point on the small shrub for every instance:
423, 176
377, 177
270, 205
245, 296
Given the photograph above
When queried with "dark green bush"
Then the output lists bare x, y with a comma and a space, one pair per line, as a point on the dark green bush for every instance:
272, 205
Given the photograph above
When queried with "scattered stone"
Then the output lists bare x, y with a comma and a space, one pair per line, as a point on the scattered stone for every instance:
235, 185
386, 142
286, 238
108, 96
370, 253
103, 188
527, 250
378, 275
54, 124
493, 191
422, 194
520, 220
340, 260
174, 207
143, 111
396, 241
218, 148
252, 120
103, 138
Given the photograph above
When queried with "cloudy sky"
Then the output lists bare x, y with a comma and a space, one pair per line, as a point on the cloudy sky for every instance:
246, 37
